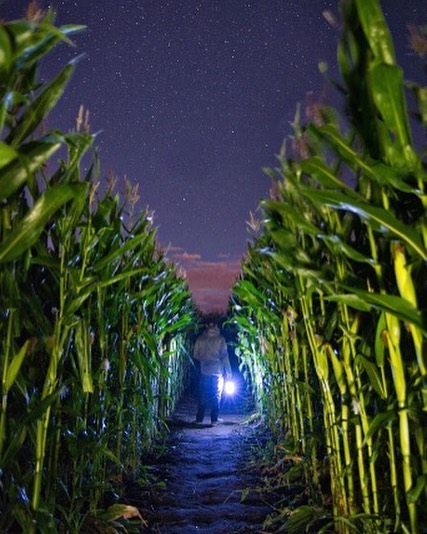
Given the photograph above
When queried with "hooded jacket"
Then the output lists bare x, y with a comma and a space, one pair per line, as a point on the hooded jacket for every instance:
211, 351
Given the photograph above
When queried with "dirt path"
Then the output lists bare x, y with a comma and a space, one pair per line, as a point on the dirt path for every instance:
205, 473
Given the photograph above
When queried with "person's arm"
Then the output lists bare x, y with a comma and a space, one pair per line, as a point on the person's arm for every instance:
225, 359
196, 350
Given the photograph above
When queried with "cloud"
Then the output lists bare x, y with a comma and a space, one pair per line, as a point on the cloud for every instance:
209, 281
186, 258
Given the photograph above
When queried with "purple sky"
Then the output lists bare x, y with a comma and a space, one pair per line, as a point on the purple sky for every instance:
192, 98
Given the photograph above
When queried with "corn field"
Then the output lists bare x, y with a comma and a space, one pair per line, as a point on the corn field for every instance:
93, 317
329, 309
330, 306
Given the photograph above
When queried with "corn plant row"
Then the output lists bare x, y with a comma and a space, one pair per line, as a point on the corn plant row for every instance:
330, 307
93, 317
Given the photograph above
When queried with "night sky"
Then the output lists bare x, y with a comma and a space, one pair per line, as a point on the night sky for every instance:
192, 98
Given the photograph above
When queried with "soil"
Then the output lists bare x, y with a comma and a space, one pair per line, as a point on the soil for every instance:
209, 485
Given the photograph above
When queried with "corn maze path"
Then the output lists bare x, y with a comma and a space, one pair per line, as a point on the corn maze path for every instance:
208, 485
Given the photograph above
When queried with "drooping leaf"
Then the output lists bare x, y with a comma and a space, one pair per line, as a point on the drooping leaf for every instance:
380, 219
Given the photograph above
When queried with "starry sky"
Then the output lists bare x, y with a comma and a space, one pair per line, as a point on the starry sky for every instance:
192, 98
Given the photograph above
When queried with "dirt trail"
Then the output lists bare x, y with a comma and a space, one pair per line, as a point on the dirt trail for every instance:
205, 471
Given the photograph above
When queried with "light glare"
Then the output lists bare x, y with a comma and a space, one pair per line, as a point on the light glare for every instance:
229, 387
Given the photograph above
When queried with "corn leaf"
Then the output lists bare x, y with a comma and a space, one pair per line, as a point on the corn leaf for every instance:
40, 107
373, 373
14, 445
387, 91
397, 306
5, 49
378, 172
316, 167
30, 227
31, 46
15, 366
379, 344
31, 157
376, 31
7, 154
378, 218
415, 493
380, 421
84, 356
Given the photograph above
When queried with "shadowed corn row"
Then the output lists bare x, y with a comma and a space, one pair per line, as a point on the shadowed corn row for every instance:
330, 309
93, 317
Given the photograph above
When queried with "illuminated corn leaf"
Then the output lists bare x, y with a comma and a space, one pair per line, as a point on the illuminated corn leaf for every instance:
380, 219
364, 301
14, 367
376, 31
387, 91
84, 356
380, 173
373, 373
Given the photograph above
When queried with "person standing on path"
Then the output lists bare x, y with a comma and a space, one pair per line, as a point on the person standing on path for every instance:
211, 351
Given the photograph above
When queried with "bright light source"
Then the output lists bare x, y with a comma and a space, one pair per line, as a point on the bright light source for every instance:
229, 387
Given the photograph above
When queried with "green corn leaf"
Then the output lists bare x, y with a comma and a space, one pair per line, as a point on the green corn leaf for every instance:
84, 356
301, 518
378, 218
379, 344
250, 294
127, 246
90, 285
333, 137
295, 216
376, 30
7, 154
15, 366
14, 445
31, 157
373, 373
40, 107
38, 409
415, 493
378, 172
10, 99
421, 93
380, 421
338, 370
352, 300
397, 306
30, 227
316, 167
31, 46
339, 246
387, 91
321, 363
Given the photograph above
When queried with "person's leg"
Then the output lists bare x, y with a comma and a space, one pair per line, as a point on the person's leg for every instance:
203, 397
215, 397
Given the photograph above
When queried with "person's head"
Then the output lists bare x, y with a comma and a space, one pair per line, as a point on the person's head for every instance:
210, 325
